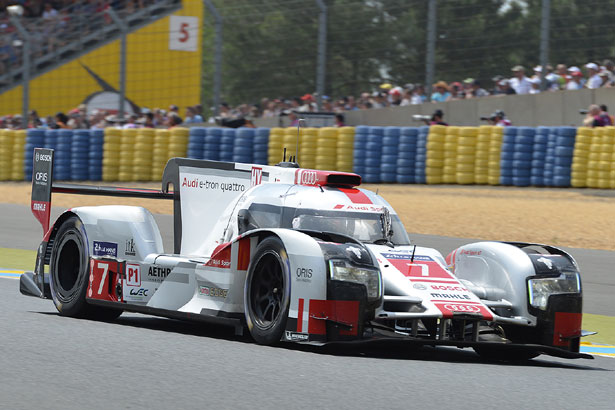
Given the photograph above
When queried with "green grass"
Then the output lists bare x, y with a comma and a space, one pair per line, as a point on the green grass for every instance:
17, 259
604, 325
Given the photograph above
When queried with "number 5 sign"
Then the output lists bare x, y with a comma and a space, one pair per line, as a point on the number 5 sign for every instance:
183, 33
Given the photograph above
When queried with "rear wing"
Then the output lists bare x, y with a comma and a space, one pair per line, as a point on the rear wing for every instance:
43, 186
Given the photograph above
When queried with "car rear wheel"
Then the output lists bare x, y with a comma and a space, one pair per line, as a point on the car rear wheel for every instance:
267, 292
69, 269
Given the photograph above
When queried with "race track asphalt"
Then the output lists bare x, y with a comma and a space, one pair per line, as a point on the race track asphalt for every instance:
20, 230
141, 362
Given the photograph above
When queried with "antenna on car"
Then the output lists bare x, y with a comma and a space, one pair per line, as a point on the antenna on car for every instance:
284, 157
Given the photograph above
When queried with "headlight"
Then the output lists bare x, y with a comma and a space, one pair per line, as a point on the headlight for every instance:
342, 270
541, 288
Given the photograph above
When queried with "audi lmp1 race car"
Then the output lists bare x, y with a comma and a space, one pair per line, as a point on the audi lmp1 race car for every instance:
298, 255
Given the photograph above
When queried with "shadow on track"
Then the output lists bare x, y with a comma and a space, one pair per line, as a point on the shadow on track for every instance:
382, 349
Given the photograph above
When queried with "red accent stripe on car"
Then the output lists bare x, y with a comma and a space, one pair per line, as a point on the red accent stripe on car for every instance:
300, 316
243, 254
566, 326
356, 196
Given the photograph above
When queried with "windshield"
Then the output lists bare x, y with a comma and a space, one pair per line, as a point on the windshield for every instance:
363, 226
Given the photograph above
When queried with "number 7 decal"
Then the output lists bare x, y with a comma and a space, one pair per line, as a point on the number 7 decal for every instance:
105, 268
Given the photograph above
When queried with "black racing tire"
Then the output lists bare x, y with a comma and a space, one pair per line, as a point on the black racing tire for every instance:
69, 273
505, 355
267, 292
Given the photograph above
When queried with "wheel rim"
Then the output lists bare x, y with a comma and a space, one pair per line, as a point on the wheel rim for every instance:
267, 291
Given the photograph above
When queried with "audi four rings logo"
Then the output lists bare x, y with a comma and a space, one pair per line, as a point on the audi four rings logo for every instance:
309, 177
462, 308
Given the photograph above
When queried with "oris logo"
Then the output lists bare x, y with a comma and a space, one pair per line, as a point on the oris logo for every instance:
308, 178
462, 308
41, 176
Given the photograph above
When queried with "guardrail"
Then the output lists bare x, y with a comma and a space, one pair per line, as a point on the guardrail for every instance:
518, 156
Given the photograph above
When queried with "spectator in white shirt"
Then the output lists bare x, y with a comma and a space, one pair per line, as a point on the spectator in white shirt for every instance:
520, 83
575, 81
594, 80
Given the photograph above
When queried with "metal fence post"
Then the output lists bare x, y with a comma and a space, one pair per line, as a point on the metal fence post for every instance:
26, 71
124, 29
217, 54
544, 41
322, 53
431, 48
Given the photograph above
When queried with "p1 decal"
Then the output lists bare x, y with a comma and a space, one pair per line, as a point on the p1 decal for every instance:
448, 309
133, 274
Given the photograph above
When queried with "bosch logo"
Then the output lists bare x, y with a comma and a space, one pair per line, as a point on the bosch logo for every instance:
36, 156
43, 157
41, 176
462, 308
308, 178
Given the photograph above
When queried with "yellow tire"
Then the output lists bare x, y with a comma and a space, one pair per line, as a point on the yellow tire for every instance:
435, 163
467, 141
434, 154
433, 179
465, 178
465, 168
466, 150
437, 130
468, 132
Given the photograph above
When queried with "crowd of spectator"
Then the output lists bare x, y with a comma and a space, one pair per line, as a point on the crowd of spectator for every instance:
520, 81
53, 23
80, 118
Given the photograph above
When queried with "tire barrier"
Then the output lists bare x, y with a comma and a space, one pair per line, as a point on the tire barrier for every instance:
227, 143
451, 141
80, 153
539, 152
196, 142
580, 158
517, 156
373, 155
261, 146
111, 153
421, 155
149, 142
178, 145
326, 148
563, 152
62, 160
495, 152
388, 159
243, 148
95, 164
406, 155
481, 165
507, 153
522, 156
274, 150
6, 154
211, 148
345, 147
307, 147
127, 156
360, 142
434, 166
466, 155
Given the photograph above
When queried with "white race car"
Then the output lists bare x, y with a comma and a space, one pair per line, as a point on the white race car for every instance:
298, 255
